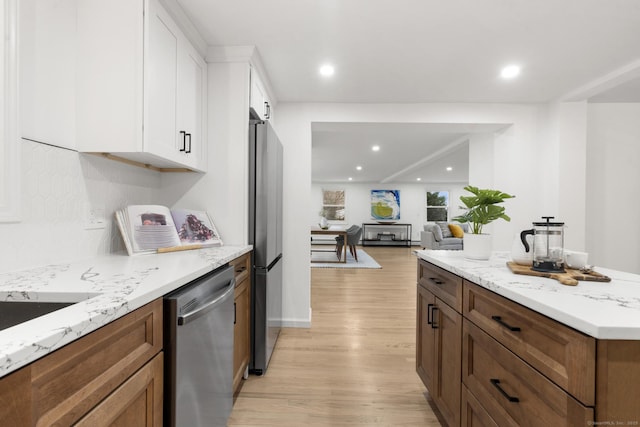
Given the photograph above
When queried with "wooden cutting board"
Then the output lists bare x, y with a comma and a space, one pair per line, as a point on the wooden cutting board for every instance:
570, 277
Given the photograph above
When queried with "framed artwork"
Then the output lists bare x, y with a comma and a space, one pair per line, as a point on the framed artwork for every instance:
385, 205
333, 204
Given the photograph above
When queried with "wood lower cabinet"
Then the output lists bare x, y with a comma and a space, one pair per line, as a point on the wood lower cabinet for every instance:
514, 393
562, 354
242, 319
137, 402
438, 354
473, 414
518, 367
106, 378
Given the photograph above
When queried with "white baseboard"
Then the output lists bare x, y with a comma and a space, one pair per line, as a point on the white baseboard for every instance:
297, 323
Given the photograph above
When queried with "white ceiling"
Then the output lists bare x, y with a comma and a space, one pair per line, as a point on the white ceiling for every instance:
424, 51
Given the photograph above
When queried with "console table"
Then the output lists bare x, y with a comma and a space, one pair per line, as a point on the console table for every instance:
386, 234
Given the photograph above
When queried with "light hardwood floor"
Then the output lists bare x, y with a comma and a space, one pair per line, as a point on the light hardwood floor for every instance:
356, 364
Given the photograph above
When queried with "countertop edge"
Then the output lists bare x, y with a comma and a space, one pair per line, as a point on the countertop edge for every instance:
115, 296
483, 273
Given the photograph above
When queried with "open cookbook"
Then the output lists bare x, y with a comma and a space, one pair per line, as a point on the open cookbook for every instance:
152, 228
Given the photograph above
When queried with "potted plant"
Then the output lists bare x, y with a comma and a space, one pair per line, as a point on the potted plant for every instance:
482, 209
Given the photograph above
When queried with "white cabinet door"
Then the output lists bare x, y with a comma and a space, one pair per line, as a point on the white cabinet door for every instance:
48, 71
161, 78
259, 99
133, 60
190, 106
9, 142
256, 95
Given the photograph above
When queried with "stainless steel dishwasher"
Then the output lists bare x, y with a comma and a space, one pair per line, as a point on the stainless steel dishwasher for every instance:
198, 345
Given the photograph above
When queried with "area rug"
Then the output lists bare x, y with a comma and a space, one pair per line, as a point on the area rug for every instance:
364, 260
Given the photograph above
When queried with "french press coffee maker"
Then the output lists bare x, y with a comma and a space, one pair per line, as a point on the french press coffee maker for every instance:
548, 244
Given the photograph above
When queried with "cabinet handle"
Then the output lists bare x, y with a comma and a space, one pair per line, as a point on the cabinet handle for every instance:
433, 317
429, 320
506, 325
184, 142
234, 313
241, 269
267, 110
436, 281
189, 149
496, 384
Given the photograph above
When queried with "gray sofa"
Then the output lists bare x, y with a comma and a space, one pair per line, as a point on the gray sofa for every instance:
438, 236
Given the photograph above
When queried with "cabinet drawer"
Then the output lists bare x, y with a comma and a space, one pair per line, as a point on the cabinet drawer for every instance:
510, 390
473, 414
241, 267
137, 402
74, 379
562, 354
443, 284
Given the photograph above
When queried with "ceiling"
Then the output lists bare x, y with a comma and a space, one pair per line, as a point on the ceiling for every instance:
409, 51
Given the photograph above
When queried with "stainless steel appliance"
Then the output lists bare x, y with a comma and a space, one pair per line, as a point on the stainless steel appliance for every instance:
265, 234
548, 245
198, 351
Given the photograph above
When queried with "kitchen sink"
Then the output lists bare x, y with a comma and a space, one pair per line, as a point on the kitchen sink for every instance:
15, 312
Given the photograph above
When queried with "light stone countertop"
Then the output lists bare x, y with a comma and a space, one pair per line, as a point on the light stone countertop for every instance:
602, 310
106, 288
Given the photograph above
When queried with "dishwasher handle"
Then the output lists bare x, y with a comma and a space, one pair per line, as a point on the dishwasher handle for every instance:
209, 305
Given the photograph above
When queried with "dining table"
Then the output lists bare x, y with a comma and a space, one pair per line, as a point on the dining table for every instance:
332, 230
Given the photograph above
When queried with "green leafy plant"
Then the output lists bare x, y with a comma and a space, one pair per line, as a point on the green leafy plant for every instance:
482, 207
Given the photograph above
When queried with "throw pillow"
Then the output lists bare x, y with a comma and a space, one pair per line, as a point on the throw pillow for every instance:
456, 230
437, 232
445, 229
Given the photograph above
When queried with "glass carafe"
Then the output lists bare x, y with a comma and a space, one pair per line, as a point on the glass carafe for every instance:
548, 245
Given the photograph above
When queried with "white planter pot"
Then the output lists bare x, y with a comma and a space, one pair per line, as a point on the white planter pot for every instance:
477, 246
324, 224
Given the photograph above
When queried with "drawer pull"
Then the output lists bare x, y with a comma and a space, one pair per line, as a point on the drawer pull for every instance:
496, 384
241, 269
506, 325
429, 314
436, 281
433, 319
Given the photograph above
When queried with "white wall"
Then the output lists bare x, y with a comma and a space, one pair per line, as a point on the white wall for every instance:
413, 199
58, 189
515, 163
613, 183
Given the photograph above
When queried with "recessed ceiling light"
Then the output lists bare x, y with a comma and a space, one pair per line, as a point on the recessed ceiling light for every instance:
359, 168
327, 70
510, 71
376, 148
350, 179
449, 168
418, 179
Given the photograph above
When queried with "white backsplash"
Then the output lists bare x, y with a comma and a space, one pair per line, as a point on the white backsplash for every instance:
59, 190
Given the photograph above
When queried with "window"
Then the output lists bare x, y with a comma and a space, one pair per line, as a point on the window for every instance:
333, 204
437, 205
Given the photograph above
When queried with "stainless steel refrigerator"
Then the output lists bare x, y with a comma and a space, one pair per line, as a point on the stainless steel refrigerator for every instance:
265, 234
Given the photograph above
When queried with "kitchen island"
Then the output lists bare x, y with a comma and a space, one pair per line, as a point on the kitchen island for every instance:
105, 289
495, 348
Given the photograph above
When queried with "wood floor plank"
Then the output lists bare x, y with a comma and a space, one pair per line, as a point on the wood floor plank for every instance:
356, 364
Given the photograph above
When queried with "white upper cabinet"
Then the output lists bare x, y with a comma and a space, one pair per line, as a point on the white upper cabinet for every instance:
141, 85
9, 148
259, 99
47, 71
